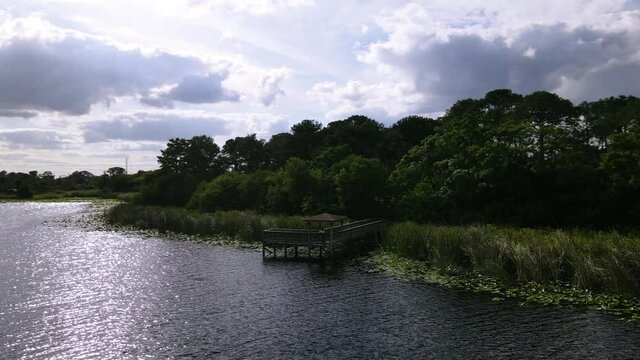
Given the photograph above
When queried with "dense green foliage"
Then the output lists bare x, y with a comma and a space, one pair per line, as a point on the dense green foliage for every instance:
593, 260
197, 157
339, 168
534, 160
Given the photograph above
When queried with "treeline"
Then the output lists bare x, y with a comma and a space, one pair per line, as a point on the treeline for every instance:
78, 184
343, 167
535, 160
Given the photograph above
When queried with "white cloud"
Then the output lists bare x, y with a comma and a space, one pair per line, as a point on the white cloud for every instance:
382, 99
45, 68
530, 52
449, 52
162, 125
270, 86
255, 7
34, 138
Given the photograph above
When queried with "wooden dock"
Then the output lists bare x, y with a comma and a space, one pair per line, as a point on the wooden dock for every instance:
327, 242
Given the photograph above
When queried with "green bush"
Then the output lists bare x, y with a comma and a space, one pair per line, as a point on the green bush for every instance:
232, 191
168, 189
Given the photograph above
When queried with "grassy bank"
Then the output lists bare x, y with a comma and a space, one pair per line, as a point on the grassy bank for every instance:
589, 260
245, 226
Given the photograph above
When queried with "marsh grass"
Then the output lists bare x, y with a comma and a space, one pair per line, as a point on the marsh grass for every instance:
590, 260
244, 226
546, 293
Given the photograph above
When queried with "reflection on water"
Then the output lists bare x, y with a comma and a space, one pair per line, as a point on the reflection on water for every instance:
71, 293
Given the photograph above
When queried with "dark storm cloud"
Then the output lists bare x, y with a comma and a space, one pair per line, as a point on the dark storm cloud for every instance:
152, 127
18, 113
201, 89
540, 58
194, 89
72, 74
34, 139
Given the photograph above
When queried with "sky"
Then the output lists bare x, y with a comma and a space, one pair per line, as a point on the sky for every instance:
86, 84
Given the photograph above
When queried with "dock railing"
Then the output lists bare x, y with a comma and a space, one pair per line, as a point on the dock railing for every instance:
327, 240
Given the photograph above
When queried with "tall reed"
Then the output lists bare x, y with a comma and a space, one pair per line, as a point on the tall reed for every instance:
593, 260
244, 225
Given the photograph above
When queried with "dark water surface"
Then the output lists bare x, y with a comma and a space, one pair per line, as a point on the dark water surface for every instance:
68, 292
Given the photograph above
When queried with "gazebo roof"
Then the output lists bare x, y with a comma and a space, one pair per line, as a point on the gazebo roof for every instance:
326, 217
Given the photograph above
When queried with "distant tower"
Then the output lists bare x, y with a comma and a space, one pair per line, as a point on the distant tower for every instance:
126, 164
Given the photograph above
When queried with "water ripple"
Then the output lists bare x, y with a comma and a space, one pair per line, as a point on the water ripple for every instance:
72, 293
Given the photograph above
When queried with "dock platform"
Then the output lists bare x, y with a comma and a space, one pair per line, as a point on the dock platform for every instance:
318, 243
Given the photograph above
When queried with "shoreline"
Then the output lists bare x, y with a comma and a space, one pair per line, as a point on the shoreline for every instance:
547, 294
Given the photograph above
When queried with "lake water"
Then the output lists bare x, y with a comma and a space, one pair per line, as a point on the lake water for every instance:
70, 292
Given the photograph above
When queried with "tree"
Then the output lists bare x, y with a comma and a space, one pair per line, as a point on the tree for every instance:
607, 117
198, 157
361, 134
232, 191
620, 169
306, 137
23, 190
360, 186
113, 171
549, 119
78, 180
290, 187
244, 154
162, 188
407, 133
278, 150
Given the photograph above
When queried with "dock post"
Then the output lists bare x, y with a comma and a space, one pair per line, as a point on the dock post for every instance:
263, 254
331, 242
295, 249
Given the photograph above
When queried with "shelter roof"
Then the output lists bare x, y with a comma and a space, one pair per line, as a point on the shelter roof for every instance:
325, 217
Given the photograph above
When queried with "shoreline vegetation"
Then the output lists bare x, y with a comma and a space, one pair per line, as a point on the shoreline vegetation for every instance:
241, 226
598, 270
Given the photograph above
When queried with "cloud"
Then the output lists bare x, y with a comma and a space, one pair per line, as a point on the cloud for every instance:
70, 75
254, 7
270, 86
152, 127
34, 138
474, 53
379, 100
46, 68
161, 125
18, 113
194, 89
